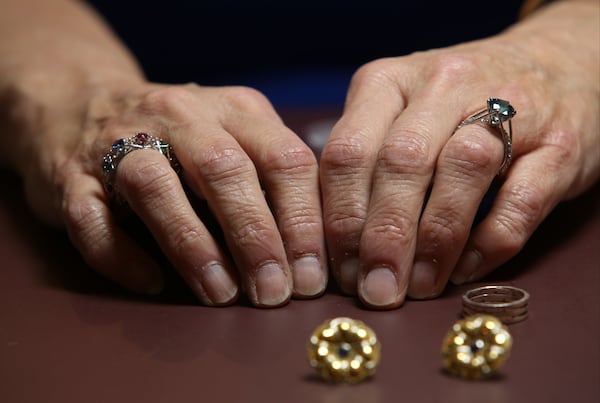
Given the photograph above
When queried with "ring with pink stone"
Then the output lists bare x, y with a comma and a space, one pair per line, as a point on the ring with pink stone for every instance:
124, 146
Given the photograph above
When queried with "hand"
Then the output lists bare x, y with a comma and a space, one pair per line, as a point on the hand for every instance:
401, 188
259, 180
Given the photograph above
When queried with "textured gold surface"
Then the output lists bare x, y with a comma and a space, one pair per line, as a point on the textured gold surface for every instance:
476, 347
344, 350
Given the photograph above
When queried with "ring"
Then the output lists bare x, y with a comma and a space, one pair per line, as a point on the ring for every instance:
507, 303
344, 350
476, 346
497, 112
124, 146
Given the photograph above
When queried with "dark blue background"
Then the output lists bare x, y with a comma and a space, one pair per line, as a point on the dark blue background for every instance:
295, 52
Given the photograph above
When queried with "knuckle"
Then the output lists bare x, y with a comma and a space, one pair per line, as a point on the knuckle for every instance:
171, 100
80, 214
149, 176
345, 222
377, 74
86, 227
219, 165
346, 152
295, 159
251, 230
245, 99
304, 221
566, 145
391, 227
184, 235
454, 68
409, 153
509, 244
526, 201
523, 209
443, 229
476, 154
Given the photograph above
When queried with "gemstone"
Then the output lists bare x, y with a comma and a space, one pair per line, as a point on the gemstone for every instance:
118, 145
163, 148
141, 138
344, 350
108, 164
501, 110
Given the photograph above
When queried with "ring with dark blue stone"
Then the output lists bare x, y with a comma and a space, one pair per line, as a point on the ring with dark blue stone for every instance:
497, 112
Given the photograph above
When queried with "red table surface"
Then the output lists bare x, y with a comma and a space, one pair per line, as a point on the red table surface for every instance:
66, 335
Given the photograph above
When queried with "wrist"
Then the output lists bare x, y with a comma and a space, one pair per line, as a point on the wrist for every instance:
559, 36
45, 119
43, 108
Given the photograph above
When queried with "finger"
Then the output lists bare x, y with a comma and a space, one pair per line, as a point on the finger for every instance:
289, 174
534, 186
226, 176
346, 167
152, 189
465, 169
402, 176
102, 244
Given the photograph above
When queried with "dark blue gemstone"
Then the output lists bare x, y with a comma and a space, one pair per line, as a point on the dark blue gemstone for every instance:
504, 110
343, 351
118, 144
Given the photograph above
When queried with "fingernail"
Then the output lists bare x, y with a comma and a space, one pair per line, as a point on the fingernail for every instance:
422, 280
308, 276
218, 285
349, 275
466, 268
272, 287
380, 287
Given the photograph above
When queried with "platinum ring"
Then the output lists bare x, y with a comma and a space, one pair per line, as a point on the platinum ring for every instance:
497, 112
124, 146
507, 303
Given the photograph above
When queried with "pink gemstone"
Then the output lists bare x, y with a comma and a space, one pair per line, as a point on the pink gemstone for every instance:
141, 138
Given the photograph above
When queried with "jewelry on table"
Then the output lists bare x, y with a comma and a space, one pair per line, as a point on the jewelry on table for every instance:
507, 303
476, 347
344, 350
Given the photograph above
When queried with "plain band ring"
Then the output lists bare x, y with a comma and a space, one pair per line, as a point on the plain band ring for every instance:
124, 146
507, 303
497, 112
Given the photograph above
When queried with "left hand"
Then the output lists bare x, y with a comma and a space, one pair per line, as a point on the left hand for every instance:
388, 237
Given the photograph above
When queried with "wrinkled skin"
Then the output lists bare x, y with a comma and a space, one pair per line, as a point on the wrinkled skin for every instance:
390, 209
388, 238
